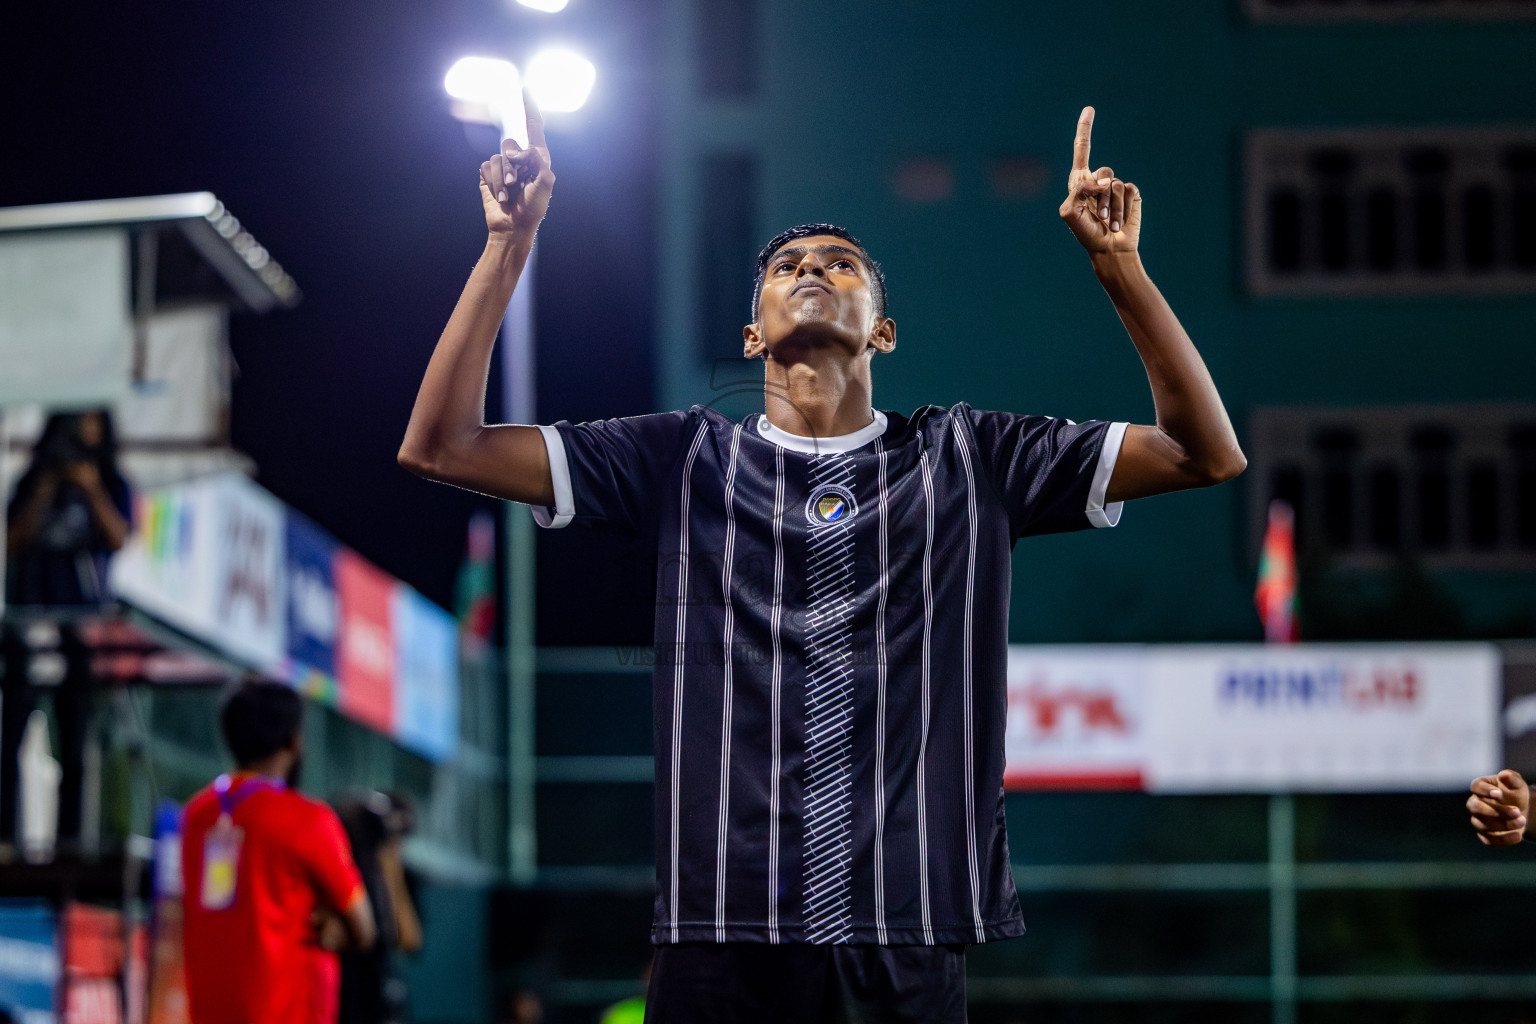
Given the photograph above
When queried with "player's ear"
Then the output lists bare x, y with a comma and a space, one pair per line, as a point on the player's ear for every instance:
883, 337
752, 344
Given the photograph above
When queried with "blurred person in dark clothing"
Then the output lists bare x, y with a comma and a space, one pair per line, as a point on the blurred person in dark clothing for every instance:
69, 513
372, 991
264, 869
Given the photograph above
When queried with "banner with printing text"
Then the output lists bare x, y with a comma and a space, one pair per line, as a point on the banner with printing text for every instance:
1075, 717
224, 562
207, 557
365, 649
314, 612
1362, 718
1253, 718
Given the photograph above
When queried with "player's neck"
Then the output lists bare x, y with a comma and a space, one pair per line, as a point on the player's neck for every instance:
825, 397
276, 766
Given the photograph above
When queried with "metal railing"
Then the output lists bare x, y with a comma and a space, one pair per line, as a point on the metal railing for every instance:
1280, 876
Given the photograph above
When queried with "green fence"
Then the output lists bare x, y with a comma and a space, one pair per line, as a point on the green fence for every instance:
1225, 908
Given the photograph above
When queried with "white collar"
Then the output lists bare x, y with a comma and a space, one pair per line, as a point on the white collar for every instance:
822, 445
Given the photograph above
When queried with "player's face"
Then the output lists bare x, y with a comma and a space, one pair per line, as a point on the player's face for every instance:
817, 290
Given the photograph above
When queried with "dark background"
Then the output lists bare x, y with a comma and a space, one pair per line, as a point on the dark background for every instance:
325, 129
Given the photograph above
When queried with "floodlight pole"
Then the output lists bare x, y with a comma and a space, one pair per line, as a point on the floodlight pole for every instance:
517, 369
518, 406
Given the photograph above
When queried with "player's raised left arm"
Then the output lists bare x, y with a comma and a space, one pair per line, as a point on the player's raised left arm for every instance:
1193, 444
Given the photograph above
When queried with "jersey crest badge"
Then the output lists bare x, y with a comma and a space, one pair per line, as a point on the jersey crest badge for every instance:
830, 505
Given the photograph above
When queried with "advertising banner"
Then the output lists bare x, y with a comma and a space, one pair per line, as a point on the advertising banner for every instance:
1076, 718
227, 563
207, 557
99, 968
250, 611
162, 567
1257, 718
29, 961
365, 649
427, 676
314, 613
1343, 718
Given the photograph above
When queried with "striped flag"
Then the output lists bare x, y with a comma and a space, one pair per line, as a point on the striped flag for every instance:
475, 591
1275, 594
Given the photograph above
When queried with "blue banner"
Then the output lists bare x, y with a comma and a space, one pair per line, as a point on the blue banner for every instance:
313, 613
426, 709
29, 960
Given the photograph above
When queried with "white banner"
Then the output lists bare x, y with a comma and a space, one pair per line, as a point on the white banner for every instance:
1076, 717
207, 557
1253, 718
1342, 718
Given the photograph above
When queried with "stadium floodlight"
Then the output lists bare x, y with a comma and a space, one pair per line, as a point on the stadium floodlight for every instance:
560, 80
487, 90
548, 6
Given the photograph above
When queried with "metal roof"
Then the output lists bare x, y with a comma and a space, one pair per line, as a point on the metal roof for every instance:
240, 261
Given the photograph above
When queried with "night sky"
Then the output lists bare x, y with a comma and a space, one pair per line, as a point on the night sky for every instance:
325, 129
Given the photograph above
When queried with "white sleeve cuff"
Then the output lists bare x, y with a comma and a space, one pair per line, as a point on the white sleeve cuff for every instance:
1100, 514
560, 475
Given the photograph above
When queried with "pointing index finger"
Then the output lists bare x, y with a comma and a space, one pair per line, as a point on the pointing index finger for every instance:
1080, 147
535, 121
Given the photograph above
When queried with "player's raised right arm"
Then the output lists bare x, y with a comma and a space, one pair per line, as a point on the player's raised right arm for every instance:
447, 438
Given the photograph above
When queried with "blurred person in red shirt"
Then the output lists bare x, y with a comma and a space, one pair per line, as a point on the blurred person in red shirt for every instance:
271, 890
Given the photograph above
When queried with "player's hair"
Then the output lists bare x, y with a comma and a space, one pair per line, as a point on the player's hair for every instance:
783, 238
259, 718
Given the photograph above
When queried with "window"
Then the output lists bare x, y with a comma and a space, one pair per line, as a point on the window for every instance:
1453, 486
1384, 212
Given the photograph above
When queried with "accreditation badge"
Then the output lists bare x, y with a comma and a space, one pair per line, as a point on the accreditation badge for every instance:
221, 863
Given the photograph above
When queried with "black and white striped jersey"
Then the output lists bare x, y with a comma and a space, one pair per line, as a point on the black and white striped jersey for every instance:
831, 631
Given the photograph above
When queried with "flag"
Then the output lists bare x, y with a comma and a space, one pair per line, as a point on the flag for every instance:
475, 592
1275, 595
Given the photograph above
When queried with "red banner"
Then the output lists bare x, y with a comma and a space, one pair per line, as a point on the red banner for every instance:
365, 649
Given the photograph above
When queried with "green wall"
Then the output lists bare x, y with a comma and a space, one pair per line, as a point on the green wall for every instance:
450, 979
995, 302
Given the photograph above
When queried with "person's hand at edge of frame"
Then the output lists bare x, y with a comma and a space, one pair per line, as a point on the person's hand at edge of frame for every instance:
1102, 211
516, 183
1500, 805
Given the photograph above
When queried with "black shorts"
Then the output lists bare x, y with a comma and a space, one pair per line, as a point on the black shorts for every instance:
758, 983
